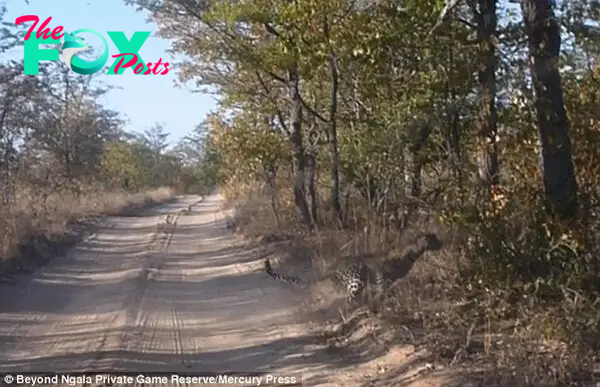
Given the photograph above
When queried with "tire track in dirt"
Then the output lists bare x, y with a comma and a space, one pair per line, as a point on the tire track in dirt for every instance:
142, 323
132, 305
76, 311
149, 326
136, 320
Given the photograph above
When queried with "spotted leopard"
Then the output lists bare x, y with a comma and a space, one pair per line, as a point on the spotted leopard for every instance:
359, 278
356, 277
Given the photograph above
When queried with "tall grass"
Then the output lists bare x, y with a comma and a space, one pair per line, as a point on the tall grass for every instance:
32, 214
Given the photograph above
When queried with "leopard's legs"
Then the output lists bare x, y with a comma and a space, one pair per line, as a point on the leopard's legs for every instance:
353, 289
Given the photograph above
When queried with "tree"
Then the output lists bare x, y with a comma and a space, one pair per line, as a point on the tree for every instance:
156, 138
120, 166
71, 125
560, 183
486, 22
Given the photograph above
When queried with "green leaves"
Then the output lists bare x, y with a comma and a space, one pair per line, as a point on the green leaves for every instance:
247, 147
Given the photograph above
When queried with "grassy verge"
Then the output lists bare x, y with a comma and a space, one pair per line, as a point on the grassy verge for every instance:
33, 229
469, 307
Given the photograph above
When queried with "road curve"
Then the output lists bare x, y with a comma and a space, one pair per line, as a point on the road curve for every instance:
164, 291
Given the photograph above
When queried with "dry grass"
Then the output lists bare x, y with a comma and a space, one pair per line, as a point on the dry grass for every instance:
31, 220
483, 338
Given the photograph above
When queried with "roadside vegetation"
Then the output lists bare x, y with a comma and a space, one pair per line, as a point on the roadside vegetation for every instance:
65, 158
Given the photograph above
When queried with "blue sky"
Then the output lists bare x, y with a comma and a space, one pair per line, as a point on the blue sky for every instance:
143, 100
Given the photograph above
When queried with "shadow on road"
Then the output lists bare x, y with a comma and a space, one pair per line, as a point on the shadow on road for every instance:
112, 304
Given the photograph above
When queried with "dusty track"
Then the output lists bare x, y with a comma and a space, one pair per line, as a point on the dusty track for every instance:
167, 290
163, 291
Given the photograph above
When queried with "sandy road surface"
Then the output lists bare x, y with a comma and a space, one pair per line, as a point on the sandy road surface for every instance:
139, 297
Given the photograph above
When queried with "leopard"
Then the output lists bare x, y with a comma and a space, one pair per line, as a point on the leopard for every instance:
354, 276
360, 277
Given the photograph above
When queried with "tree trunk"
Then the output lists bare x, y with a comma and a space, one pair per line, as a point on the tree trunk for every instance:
486, 21
298, 149
419, 133
311, 171
272, 187
6, 163
560, 183
336, 207
453, 132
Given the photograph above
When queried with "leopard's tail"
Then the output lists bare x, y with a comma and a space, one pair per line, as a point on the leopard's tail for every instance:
286, 278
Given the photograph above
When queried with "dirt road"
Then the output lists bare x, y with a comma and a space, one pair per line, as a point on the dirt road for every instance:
145, 295
165, 291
